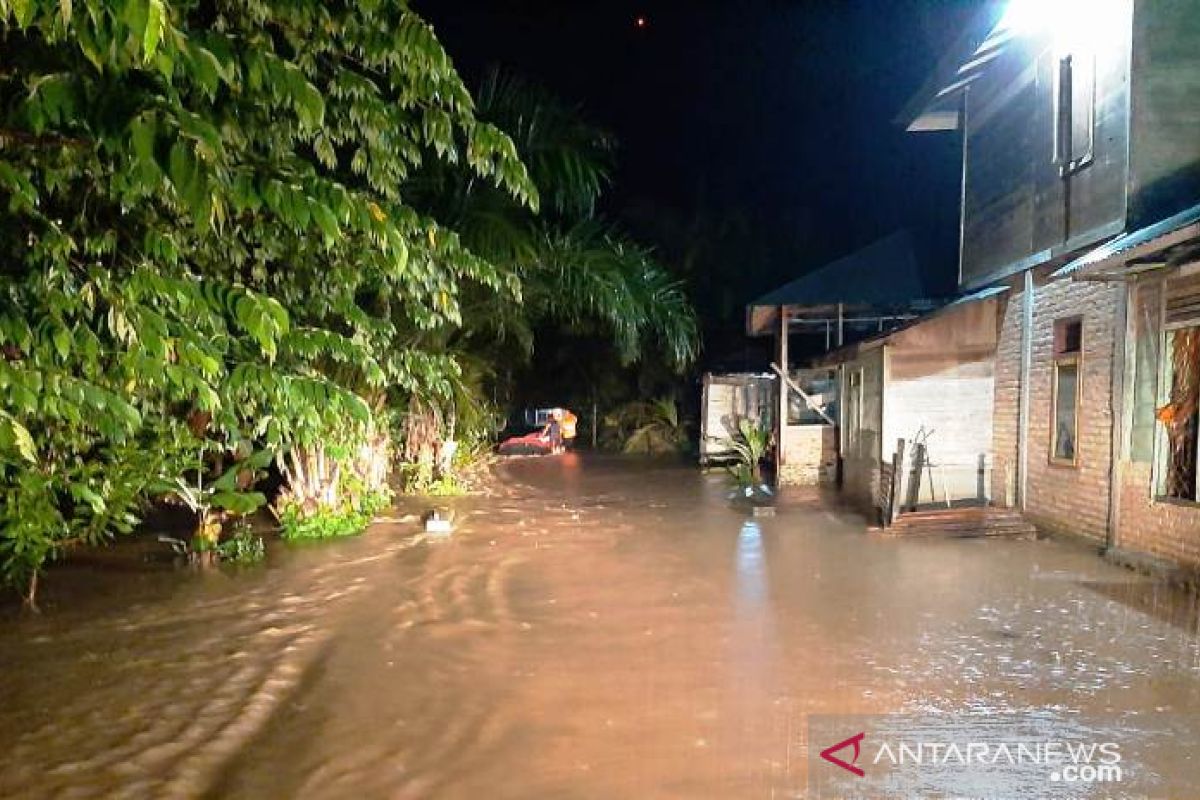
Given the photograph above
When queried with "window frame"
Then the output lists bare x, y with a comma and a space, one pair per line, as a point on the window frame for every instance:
1060, 359
1069, 66
1162, 447
854, 398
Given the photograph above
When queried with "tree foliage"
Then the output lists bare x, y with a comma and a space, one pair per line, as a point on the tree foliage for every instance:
244, 230
207, 239
578, 273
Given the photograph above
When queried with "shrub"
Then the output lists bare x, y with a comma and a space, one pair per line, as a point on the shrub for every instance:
327, 522
648, 428
243, 547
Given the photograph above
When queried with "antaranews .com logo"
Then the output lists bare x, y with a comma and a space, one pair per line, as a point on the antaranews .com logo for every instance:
1020, 756
1065, 761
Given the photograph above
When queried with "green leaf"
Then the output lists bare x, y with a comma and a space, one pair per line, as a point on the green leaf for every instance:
239, 502
84, 494
62, 342
23, 11
15, 436
155, 18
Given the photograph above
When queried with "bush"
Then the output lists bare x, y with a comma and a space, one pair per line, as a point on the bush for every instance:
350, 519
647, 428
243, 547
750, 444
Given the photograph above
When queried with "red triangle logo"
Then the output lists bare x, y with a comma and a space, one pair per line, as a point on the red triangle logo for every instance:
855, 741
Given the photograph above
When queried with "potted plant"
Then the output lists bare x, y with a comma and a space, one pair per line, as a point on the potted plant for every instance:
750, 444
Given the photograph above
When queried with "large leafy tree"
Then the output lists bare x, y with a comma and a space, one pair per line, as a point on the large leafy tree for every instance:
207, 242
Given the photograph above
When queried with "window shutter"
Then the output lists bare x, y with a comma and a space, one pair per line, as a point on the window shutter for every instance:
1182, 301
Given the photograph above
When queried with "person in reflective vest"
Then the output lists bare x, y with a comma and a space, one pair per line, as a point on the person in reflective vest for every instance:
568, 424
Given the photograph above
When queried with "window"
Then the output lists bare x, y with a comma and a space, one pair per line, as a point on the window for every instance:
821, 390
1064, 422
1178, 476
1075, 112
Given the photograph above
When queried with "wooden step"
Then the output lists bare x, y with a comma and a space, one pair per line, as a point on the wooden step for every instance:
962, 522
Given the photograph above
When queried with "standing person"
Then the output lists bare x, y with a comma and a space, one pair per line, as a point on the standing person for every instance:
554, 431
569, 423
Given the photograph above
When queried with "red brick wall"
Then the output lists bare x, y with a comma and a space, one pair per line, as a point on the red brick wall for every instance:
1165, 530
1060, 499
1075, 500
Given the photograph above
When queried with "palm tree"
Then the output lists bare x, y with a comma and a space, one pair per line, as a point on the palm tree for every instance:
576, 271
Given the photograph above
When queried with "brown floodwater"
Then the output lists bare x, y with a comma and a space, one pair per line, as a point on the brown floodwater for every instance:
593, 629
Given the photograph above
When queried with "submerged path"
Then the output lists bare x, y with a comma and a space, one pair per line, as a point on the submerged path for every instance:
599, 629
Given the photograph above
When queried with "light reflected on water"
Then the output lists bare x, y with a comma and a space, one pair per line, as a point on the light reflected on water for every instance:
594, 629
751, 568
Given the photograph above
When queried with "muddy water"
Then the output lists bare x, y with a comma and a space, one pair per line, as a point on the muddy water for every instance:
597, 629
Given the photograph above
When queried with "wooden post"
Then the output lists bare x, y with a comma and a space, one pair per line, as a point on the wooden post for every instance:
897, 484
798, 389
981, 480
917, 472
841, 326
782, 411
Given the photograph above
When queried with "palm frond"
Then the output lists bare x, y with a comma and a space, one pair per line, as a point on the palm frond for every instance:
569, 159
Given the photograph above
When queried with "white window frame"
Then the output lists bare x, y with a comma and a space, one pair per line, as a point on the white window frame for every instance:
1161, 443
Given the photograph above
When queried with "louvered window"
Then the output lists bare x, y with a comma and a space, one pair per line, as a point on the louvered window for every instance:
1182, 304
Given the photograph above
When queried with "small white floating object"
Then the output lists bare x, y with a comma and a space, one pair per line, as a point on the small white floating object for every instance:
439, 520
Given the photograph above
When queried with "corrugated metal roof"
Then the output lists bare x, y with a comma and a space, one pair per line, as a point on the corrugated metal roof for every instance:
848, 351
883, 274
1151, 235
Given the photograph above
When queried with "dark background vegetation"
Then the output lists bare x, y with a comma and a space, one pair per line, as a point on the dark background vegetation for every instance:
756, 138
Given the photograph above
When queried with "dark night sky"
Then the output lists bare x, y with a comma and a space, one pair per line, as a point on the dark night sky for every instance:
781, 111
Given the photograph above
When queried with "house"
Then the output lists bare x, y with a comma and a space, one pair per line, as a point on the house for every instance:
1079, 125
1154, 502
930, 382
872, 290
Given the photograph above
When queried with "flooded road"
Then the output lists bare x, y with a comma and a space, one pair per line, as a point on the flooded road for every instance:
597, 629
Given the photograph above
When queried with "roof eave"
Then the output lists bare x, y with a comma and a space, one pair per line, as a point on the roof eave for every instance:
1135, 252
934, 107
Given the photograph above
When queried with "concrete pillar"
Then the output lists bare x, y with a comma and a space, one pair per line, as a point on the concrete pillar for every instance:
1027, 300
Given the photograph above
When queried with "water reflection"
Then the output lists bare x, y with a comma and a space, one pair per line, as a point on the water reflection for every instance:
751, 569
592, 629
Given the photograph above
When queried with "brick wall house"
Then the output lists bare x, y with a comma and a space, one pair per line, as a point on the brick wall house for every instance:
1155, 507
1081, 168
1062, 495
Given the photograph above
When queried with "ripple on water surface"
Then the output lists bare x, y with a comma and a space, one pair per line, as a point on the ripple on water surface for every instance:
593, 629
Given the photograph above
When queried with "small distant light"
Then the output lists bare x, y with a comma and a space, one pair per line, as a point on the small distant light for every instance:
640, 22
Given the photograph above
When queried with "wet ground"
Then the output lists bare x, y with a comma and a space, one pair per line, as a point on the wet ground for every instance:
597, 629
